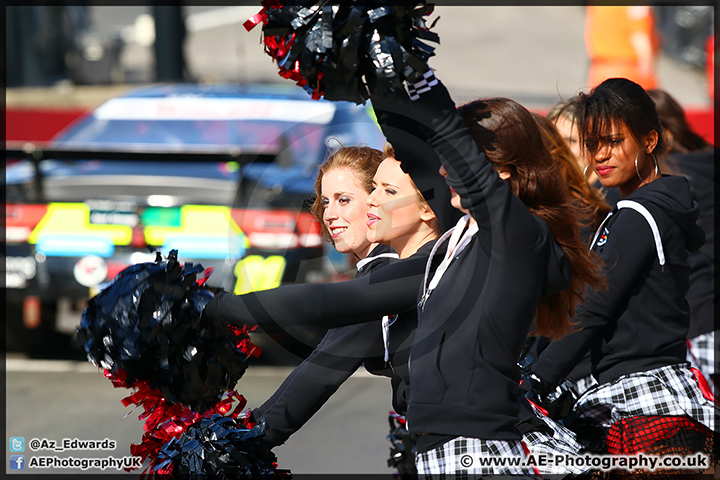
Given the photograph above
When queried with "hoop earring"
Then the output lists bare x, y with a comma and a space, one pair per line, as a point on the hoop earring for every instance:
636, 168
585, 171
657, 167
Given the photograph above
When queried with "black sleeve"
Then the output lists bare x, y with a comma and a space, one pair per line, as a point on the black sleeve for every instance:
506, 228
317, 378
388, 290
417, 158
625, 256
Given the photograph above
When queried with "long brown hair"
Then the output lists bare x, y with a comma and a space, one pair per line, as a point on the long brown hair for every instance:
591, 203
362, 160
512, 140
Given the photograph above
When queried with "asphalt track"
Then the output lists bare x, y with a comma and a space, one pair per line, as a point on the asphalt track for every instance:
58, 399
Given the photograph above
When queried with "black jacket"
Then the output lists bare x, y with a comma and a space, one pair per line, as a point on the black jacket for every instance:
699, 169
383, 291
463, 373
640, 322
338, 355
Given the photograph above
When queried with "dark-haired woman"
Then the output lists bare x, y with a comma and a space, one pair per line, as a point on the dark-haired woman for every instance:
563, 118
695, 158
648, 399
528, 272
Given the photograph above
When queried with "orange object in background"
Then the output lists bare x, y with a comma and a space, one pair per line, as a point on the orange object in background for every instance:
31, 312
622, 42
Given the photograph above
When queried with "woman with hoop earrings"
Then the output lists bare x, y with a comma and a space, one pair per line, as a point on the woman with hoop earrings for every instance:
648, 399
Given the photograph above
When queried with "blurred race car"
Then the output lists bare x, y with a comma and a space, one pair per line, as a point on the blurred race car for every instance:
76, 224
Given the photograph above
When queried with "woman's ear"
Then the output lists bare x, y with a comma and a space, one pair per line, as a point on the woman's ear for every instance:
651, 140
426, 213
504, 173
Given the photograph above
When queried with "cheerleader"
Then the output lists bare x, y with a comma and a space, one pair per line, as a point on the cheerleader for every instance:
564, 119
648, 399
342, 187
505, 266
593, 209
396, 215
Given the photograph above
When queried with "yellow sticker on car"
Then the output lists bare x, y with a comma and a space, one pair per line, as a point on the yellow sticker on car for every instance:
203, 220
255, 273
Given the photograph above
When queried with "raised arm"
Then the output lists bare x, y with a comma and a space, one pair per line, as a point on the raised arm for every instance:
506, 227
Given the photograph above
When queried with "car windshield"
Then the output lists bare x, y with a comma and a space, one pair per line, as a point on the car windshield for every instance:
188, 123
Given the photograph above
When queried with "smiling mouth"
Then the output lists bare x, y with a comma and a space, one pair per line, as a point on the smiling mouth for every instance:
372, 219
337, 231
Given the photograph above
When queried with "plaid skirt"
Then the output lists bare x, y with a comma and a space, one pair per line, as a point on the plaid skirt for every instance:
584, 384
670, 390
450, 459
561, 441
702, 349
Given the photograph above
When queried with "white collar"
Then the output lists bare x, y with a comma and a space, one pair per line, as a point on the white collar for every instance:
364, 261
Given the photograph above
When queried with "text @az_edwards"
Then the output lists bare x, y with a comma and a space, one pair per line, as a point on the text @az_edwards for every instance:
71, 444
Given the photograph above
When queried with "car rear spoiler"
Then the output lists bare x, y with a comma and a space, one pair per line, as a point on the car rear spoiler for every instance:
37, 153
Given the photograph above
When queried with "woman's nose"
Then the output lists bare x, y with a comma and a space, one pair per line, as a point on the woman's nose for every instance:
602, 153
330, 212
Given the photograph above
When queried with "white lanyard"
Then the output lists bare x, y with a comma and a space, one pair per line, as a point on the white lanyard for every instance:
386, 322
455, 245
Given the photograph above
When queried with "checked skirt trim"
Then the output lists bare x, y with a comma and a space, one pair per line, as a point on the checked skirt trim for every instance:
703, 348
584, 384
562, 441
445, 461
670, 390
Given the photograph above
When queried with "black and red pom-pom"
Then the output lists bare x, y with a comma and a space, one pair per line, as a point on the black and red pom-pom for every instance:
147, 331
148, 323
340, 50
